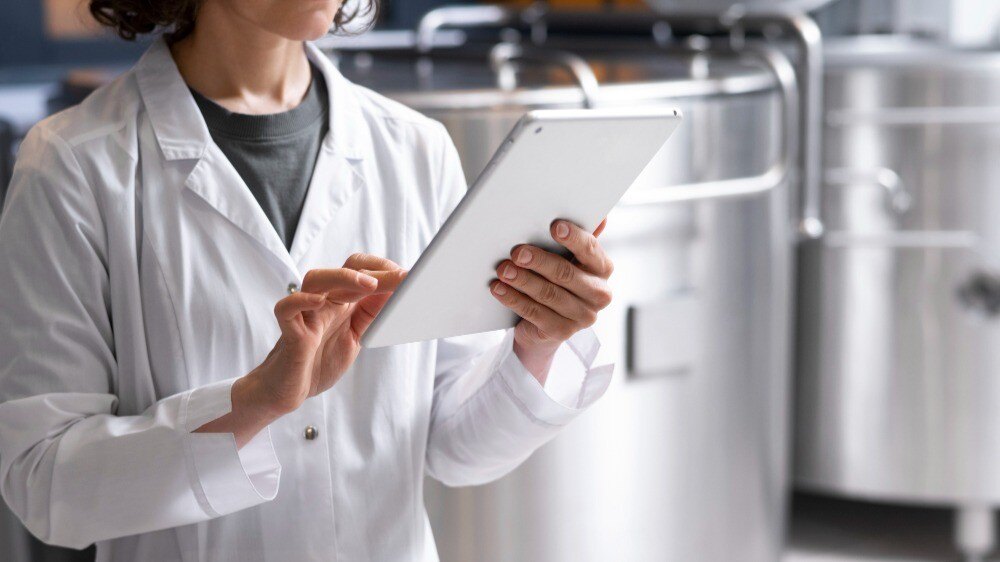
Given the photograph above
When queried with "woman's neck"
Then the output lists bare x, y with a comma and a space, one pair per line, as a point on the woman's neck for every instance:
240, 66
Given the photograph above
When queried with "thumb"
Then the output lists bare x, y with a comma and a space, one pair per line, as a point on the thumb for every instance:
366, 311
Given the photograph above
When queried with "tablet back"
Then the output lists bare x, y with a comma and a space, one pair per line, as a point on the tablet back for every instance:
570, 164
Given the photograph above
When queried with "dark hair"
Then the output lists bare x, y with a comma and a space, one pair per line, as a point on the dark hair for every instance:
131, 18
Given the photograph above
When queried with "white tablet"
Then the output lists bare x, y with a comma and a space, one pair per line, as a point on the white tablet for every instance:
570, 164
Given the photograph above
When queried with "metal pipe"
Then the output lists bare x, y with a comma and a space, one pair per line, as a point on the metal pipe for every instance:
384, 40
774, 177
503, 54
809, 40
974, 531
703, 191
461, 16
809, 71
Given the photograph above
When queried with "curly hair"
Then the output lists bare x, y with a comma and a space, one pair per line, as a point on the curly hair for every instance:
131, 18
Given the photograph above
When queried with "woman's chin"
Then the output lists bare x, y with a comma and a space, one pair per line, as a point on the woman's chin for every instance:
310, 30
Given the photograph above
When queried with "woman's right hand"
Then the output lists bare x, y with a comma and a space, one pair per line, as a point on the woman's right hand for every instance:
321, 329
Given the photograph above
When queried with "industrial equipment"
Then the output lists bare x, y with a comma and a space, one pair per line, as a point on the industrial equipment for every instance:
899, 339
685, 457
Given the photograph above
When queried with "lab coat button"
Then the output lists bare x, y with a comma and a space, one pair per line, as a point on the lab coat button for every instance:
293, 288
311, 432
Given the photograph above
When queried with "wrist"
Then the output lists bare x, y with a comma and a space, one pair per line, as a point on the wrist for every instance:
536, 358
249, 414
251, 400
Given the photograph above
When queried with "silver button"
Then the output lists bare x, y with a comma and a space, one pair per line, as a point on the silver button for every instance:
311, 432
293, 288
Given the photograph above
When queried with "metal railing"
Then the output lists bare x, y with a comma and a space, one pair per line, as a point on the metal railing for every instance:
736, 23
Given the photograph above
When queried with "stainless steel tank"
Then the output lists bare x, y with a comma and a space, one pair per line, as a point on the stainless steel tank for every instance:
673, 6
685, 457
899, 398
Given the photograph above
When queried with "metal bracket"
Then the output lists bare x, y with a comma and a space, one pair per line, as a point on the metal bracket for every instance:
898, 196
464, 17
503, 54
774, 177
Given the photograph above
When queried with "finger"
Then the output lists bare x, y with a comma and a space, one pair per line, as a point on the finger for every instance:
367, 310
584, 246
288, 311
559, 270
545, 292
371, 262
388, 281
551, 324
600, 227
388, 273
340, 285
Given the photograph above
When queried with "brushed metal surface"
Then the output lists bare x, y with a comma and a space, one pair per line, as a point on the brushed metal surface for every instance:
899, 338
687, 465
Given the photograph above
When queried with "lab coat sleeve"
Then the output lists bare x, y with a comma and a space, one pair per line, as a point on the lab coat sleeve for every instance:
489, 412
72, 470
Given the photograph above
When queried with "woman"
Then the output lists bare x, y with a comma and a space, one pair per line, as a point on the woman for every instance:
177, 338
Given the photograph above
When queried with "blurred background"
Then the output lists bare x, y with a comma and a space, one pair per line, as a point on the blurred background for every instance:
808, 274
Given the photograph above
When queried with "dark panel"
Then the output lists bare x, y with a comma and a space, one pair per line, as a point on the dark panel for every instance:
23, 41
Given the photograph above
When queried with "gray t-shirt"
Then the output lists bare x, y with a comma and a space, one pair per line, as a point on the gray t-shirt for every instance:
274, 154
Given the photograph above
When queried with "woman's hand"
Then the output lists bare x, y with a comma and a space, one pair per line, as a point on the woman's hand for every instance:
555, 297
321, 329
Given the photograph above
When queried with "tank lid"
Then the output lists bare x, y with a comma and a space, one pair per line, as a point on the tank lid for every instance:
464, 79
901, 51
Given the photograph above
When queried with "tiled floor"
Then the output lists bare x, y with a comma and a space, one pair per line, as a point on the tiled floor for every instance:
830, 530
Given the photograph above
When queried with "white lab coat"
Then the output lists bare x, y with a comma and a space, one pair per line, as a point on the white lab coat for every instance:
137, 280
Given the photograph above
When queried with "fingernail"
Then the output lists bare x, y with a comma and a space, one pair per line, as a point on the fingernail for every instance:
509, 272
562, 229
369, 282
500, 289
523, 256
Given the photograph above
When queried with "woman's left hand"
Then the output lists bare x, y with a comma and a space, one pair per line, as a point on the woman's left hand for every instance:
555, 297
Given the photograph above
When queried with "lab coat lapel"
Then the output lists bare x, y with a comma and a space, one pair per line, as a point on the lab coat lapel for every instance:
215, 180
335, 179
182, 135
339, 171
